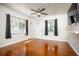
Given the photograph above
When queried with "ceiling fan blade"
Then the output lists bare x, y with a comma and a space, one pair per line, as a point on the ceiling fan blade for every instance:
33, 10
32, 13
44, 13
42, 9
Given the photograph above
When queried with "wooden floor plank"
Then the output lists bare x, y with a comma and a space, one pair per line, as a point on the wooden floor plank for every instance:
38, 47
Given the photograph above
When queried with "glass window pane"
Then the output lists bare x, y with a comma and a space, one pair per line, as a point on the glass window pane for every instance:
17, 25
51, 26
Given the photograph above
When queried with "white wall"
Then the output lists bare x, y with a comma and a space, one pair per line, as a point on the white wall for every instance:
0, 26
73, 38
16, 37
38, 27
35, 27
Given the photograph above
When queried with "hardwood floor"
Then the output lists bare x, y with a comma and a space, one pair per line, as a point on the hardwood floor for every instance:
38, 47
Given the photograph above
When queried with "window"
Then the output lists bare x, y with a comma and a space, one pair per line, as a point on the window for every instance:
51, 26
17, 25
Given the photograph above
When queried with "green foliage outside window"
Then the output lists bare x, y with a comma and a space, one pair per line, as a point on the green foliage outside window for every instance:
50, 26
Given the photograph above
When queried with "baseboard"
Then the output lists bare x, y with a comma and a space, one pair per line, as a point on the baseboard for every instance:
52, 39
74, 49
4, 45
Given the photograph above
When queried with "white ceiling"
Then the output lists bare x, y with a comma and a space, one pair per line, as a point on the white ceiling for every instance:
51, 8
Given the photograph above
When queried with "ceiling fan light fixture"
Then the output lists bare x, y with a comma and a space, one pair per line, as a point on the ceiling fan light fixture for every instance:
38, 12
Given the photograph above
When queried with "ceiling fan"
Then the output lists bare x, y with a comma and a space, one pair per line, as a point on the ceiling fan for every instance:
38, 12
